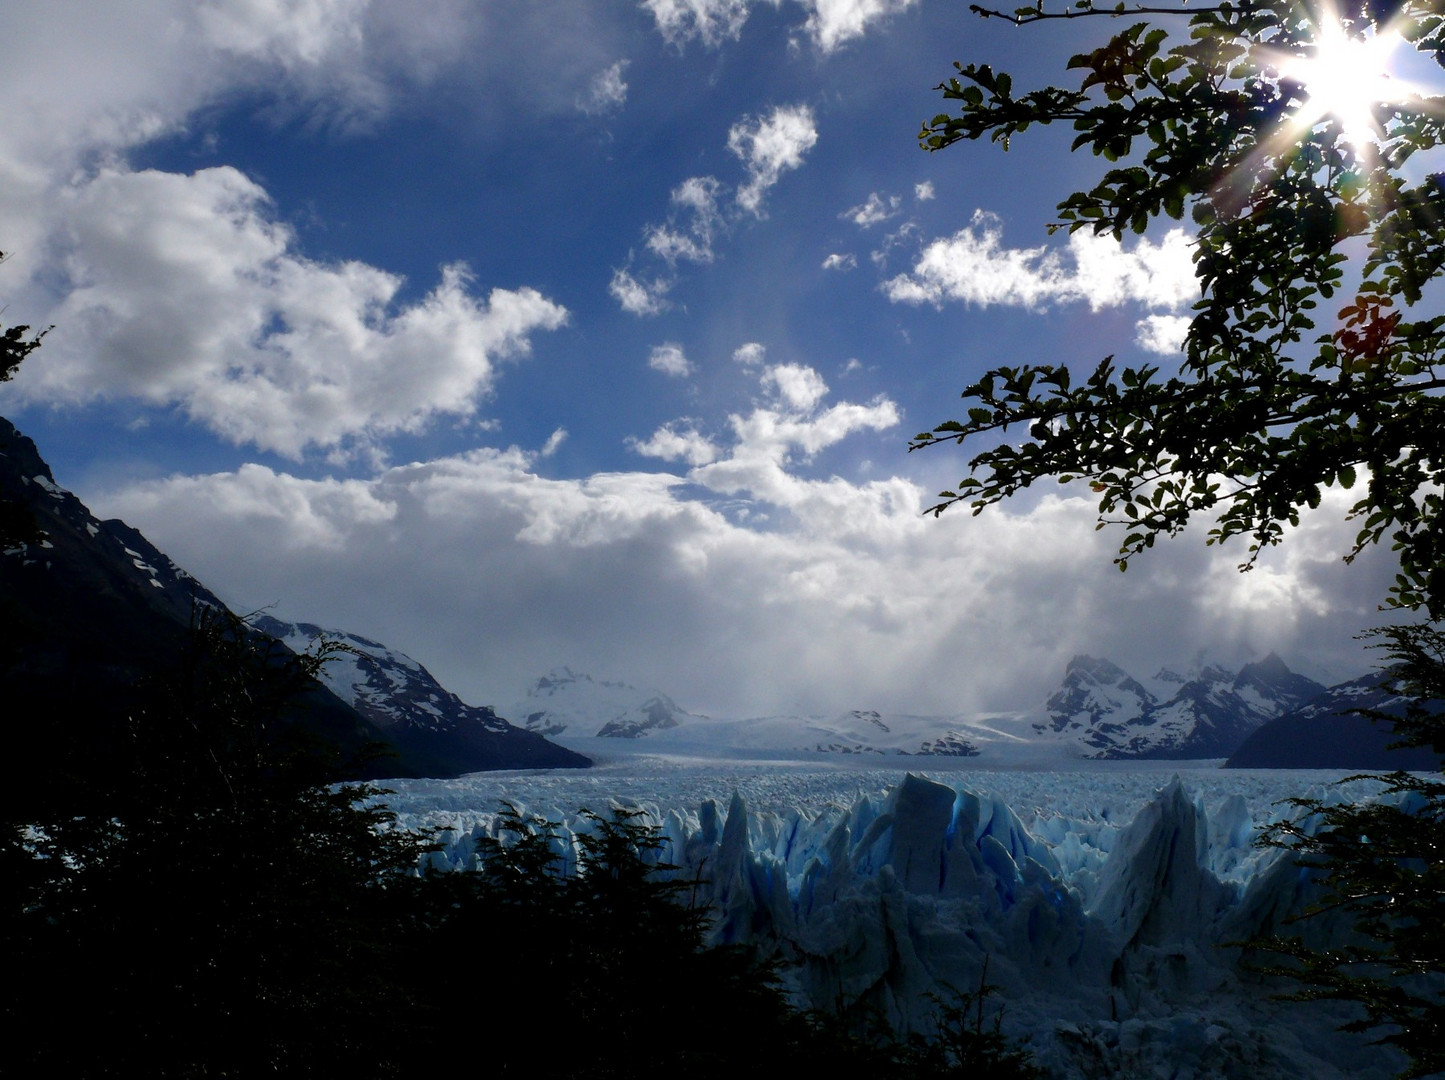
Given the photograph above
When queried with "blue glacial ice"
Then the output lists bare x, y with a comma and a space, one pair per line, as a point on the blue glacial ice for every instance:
1105, 903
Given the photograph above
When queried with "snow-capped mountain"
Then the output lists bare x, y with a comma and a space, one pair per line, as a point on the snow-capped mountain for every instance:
429, 723
1096, 700
1110, 714
566, 701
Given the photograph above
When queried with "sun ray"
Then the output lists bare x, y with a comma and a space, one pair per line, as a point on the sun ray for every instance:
1342, 78
1345, 78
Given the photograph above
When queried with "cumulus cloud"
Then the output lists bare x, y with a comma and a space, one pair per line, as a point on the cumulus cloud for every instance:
796, 385
830, 23
974, 267
188, 291
639, 297
874, 209
770, 146
924, 191
677, 441
1162, 333
791, 429
184, 290
843, 262
669, 359
554, 441
607, 92
767, 147
712, 21
750, 353
88, 83
834, 22
693, 221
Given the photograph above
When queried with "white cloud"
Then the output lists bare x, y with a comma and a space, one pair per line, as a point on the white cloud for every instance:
688, 234
554, 441
900, 236
830, 23
749, 354
86, 83
842, 262
875, 209
607, 92
833, 22
639, 297
713, 21
924, 191
668, 358
847, 596
769, 147
791, 429
86, 78
796, 385
1162, 333
184, 290
672, 442
974, 267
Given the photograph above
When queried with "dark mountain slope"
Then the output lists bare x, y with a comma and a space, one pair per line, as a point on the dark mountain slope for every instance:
93, 610
1326, 734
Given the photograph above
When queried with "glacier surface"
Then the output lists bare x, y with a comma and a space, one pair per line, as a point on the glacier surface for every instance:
1104, 901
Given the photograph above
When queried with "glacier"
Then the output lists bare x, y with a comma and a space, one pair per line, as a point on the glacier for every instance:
1105, 902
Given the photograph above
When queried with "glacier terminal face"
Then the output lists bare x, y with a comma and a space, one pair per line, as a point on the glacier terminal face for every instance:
1104, 904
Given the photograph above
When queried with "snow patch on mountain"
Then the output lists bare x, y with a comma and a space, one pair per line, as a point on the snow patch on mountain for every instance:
387, 687
574, 703
1206, 713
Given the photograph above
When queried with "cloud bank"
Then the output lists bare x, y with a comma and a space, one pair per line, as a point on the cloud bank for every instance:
747, 583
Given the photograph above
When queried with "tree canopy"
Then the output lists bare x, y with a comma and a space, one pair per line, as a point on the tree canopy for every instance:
1314, 356
17, 525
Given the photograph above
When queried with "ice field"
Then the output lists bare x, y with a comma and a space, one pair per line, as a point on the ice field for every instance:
1104, 900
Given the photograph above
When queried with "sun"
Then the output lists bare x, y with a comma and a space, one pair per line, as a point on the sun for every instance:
1345, 77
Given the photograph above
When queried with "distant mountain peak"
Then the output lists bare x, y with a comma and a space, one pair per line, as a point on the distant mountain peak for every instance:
584, 706
404, 700
1095, 693
1207, 714
560, 678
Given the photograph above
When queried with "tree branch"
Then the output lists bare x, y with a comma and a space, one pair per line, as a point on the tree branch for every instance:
1118, 11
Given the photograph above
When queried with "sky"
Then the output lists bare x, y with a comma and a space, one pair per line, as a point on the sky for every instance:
592, 333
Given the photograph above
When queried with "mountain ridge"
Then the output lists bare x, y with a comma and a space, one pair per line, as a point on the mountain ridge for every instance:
93, 609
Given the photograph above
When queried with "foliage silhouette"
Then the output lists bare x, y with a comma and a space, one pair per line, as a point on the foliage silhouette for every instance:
1381, 866
963, 1046
609, 949
1265, 411
222, 906
17, 524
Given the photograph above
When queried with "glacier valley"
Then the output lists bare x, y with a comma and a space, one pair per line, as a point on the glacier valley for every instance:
1106, 899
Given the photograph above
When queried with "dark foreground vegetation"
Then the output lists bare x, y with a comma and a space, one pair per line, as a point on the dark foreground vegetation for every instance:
217, 902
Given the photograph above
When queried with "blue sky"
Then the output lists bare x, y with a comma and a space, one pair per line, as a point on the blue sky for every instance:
593, 333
